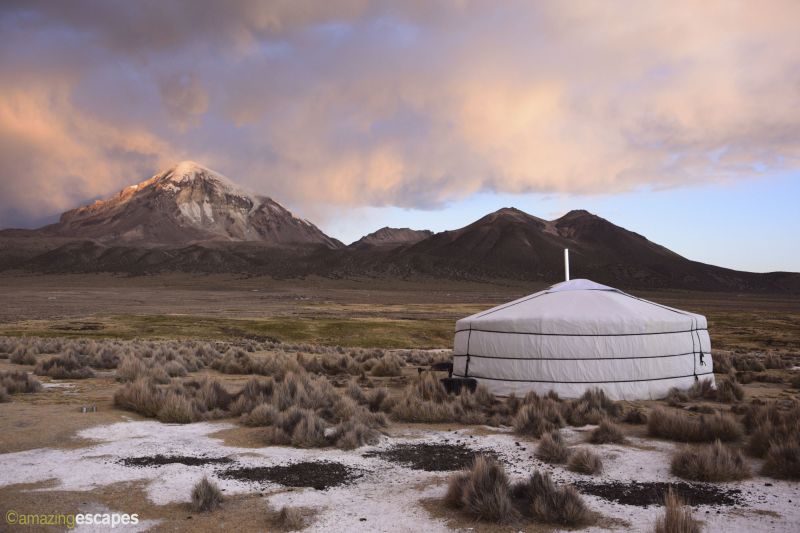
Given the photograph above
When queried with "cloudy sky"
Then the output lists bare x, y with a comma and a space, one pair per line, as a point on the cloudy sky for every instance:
679, 120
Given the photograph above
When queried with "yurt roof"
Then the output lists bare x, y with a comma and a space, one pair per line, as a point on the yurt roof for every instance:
582, 307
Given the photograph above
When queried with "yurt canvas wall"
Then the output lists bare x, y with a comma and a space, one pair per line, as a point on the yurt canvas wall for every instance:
578, 335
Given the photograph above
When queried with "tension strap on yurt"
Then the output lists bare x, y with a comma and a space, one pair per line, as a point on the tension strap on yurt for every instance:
694, 353
466, 366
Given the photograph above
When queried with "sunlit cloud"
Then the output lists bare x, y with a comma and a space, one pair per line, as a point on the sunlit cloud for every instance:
357, 103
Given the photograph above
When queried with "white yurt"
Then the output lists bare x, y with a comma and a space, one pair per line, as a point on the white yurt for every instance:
578, 335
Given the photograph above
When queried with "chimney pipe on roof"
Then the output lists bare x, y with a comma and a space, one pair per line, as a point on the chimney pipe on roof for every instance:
566, 264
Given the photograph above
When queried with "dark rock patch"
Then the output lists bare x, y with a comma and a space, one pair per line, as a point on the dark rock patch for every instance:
431, 457
644, 494
158, 460
318, 475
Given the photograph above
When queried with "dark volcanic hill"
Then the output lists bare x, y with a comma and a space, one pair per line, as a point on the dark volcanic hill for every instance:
388, 238
192, 219
185, 204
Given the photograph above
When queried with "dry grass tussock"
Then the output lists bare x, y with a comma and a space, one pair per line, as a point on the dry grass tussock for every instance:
726, 390
710, 462
19, 382
584, 461
681, 427
301, 409
70, 365
606, 432
774, 435
206, 496
426, 400
677, 517
552, 448
484, 493
538, 416
290, 518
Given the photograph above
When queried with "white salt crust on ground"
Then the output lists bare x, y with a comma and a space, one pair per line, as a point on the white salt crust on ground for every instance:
387, 495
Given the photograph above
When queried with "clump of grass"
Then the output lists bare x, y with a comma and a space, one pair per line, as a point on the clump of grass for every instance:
353, 434
290, 519
424, 400
483, 492
538, 418
24, 355
728, 391
309, 431
4, 395
263, 414
178, 409
584, 461
540, 499
141, 396
67, 366
677, 517
711, 462
674, 425
607, 432
552, 448
206, 496
635, 416
783, 459
19, 382
388, 365
590, 408
703, 388
676, 397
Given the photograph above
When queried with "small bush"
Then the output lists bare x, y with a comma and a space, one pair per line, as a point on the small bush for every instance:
607, 432
676, 397
712, 462
206, 496
483, 492
677, 517
677, 426
552, 448
585, 461
590, 408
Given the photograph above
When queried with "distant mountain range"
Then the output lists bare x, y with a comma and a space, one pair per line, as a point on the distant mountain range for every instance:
190, 218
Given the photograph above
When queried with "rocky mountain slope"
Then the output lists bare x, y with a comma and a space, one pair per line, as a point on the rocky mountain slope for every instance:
192, 219
387, 238
186, 204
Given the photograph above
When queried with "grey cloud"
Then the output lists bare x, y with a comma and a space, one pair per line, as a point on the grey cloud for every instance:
394, 103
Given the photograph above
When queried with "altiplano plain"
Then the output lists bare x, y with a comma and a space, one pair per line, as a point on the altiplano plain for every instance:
58, 457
